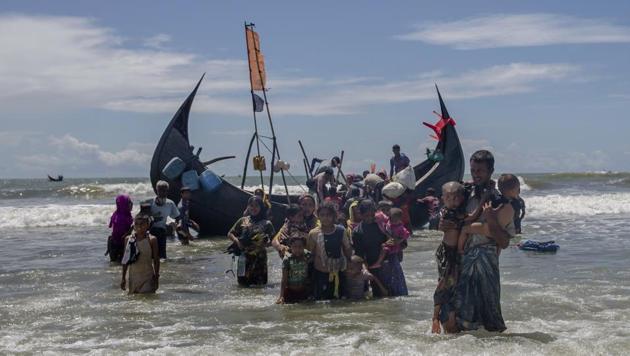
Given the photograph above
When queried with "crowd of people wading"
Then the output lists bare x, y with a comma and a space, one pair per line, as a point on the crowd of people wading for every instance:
348, 243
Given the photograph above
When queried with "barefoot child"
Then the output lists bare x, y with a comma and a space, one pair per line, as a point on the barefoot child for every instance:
295, 285
509, 186
356, 276
141, 259
294, 228
397, 233
453, 199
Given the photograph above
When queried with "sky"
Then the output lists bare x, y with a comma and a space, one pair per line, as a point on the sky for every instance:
88, 87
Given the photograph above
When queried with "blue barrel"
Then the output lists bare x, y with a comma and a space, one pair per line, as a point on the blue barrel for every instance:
190, 179
210, 182
174, 168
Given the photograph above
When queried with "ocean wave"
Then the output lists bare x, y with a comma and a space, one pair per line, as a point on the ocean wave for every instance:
55, 215
279, 189
578, 205
524, 186
133, 189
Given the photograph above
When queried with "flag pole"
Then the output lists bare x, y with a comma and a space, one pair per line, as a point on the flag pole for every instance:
276, 151
262, 181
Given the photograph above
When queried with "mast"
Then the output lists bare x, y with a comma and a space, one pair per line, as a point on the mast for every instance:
275, 151
262, 181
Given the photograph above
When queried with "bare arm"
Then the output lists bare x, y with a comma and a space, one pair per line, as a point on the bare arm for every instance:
156, 260
283, 286
123, 281
378, 283
496, 220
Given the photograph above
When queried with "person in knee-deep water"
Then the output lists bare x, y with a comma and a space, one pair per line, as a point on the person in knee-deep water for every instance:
477, 301
330, 245
141, 262
250, 237
161, 209
120, 223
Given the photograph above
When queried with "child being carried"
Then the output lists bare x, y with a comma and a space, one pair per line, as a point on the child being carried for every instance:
396, 232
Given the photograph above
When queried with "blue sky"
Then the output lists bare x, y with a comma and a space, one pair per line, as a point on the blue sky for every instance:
88, 87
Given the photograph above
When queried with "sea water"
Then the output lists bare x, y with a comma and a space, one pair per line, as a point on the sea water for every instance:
59, 294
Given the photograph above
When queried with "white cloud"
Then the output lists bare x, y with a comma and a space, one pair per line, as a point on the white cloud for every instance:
506, 30
158, 41
71, 62
73, 149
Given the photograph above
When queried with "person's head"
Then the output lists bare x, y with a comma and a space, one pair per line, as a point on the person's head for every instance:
453, 195
294, 214
354, 192
161, 189
395, 216
297, 246
385, 206
335, 162
430, 192
141, 224
382, 174
367, 210
355, 215
365, 173
124, 203
256, 208
332, 191
259, 193
327, 213
186, 193
481, 167
396, 150
328, 172
355, 265
509, 186
307, 203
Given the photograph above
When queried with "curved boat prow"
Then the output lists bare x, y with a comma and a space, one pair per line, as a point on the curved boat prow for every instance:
445, 164
174, 143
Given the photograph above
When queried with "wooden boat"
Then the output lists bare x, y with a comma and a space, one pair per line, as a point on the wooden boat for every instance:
58, 179
433, 173
217, 211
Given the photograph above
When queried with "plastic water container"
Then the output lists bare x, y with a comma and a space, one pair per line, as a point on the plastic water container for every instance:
174, 168
190, 179
210, 182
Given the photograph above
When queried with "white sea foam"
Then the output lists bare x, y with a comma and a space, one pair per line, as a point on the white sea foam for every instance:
134, 189
279, 189
55, 215
578, 205
524, 186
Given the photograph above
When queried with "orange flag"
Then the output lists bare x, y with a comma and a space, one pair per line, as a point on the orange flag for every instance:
256, 60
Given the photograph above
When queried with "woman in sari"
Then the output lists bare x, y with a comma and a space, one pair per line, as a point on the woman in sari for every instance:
251, 235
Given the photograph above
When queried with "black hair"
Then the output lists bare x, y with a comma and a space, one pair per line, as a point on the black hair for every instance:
297, 239
365, 173
366, 205
306, 196
330, 207
430, 191
396, 212
395, 147
483, 156
293, 210
508, 181
263, 208
336, 160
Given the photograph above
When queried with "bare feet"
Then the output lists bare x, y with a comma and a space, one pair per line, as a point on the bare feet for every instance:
435, 327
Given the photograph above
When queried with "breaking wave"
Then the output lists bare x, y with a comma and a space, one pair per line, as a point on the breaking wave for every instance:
578, 205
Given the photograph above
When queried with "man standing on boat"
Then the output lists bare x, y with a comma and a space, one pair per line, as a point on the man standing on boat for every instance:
399, 162
478, 293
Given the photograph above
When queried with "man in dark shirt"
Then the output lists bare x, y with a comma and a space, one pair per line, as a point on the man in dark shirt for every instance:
367, 238
399, 162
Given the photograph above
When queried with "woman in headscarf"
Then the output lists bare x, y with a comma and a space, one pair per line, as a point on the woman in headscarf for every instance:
251, 235
120, 223
307, 203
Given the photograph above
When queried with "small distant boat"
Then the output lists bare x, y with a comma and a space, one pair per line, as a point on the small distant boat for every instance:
58, 179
